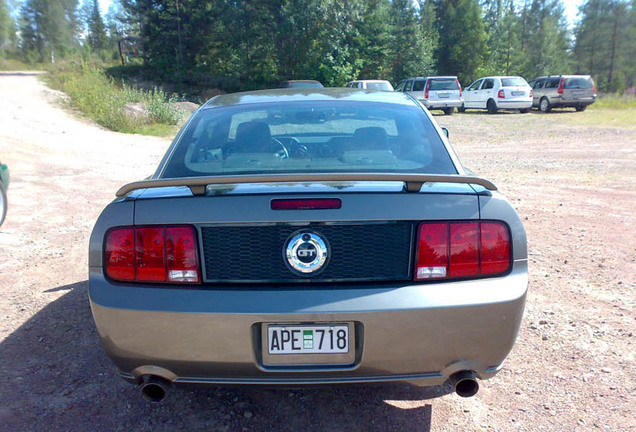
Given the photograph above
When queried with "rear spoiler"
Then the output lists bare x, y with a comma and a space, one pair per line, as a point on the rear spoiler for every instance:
198, 184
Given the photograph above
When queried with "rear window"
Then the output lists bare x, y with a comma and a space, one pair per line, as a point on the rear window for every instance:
444, 84
553, 82
303, 84
419, 85
578, 83
513, 82
379, 86
309, 137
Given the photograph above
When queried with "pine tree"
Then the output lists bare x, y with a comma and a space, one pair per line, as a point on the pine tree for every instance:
462, 44
547, 40
95, 27
49, 28
604, 43
7, 28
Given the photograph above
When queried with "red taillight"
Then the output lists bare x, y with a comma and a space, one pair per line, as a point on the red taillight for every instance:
432, 251
460, 87
494, 247
464, 250
306, 204
530, 95
593, 85
152, 254
561, 86
426, 88
120, 254
501, 94
447, 250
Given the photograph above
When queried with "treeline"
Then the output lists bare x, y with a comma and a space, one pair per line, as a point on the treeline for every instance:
237, 45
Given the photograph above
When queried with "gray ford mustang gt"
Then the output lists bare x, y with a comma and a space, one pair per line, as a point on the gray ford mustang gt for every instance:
312, 236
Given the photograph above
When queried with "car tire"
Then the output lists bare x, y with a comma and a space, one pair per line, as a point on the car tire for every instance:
3, 203
581, 108
491, 106
449, 111
524, 110
544, 105
461, 109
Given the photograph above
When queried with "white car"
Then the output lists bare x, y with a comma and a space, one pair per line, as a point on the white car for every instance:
498, 92
371, 85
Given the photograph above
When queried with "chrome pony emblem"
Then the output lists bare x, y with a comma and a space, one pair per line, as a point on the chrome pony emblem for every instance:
306, 252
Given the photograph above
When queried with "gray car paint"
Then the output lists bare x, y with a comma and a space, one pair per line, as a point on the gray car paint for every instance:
210, 334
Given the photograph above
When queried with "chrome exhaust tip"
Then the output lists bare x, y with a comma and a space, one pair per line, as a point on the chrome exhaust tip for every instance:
153, 388
465, 383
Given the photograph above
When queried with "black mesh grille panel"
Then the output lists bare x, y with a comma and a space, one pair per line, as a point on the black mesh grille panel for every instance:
358, 252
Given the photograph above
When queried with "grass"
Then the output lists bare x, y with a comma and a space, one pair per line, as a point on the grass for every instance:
103, 100
608, 111
615, 102
17, 65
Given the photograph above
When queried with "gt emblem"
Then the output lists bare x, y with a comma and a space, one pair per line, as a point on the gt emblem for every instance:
306, 252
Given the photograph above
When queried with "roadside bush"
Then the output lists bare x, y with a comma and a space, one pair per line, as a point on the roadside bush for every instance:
102, 99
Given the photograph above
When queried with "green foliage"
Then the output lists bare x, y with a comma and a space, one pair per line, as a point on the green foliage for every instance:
49, 28
101, 99
605, 43
546, 45
462, 45
7, 30
616, 102
96, 28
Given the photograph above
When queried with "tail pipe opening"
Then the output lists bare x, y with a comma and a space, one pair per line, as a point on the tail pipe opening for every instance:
465, 383
153, 388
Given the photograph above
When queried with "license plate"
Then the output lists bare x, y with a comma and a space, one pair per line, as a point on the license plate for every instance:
308, 339
443, 95
518, 93
578, 94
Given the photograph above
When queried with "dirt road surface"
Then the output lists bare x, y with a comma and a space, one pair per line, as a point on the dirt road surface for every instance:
572, 369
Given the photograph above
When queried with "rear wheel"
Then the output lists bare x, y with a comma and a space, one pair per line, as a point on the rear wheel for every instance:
524, 110
3, 203
461, 109
581, 108
544, 105
449, 111
492, 107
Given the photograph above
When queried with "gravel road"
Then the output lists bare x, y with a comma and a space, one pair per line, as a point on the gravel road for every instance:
572, 369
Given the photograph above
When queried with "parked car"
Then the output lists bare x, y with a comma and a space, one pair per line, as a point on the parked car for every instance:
436, 93
371, 85
4, 185
300, 84
561, 91
354, 249
498, 92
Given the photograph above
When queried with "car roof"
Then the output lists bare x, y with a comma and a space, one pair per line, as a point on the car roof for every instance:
370, 80
308, 95
501, 76
301, 81
434, 76
564, 76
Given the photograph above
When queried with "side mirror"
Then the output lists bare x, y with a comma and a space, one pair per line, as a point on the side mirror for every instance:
446, 132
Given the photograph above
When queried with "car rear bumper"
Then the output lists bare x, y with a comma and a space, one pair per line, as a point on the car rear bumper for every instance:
417, 333
571, 103
514, 104
441, 104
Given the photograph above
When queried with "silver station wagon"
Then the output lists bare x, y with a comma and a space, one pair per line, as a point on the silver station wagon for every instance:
315, 236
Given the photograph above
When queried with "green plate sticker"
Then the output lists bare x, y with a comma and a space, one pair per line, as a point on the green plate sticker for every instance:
308, 339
